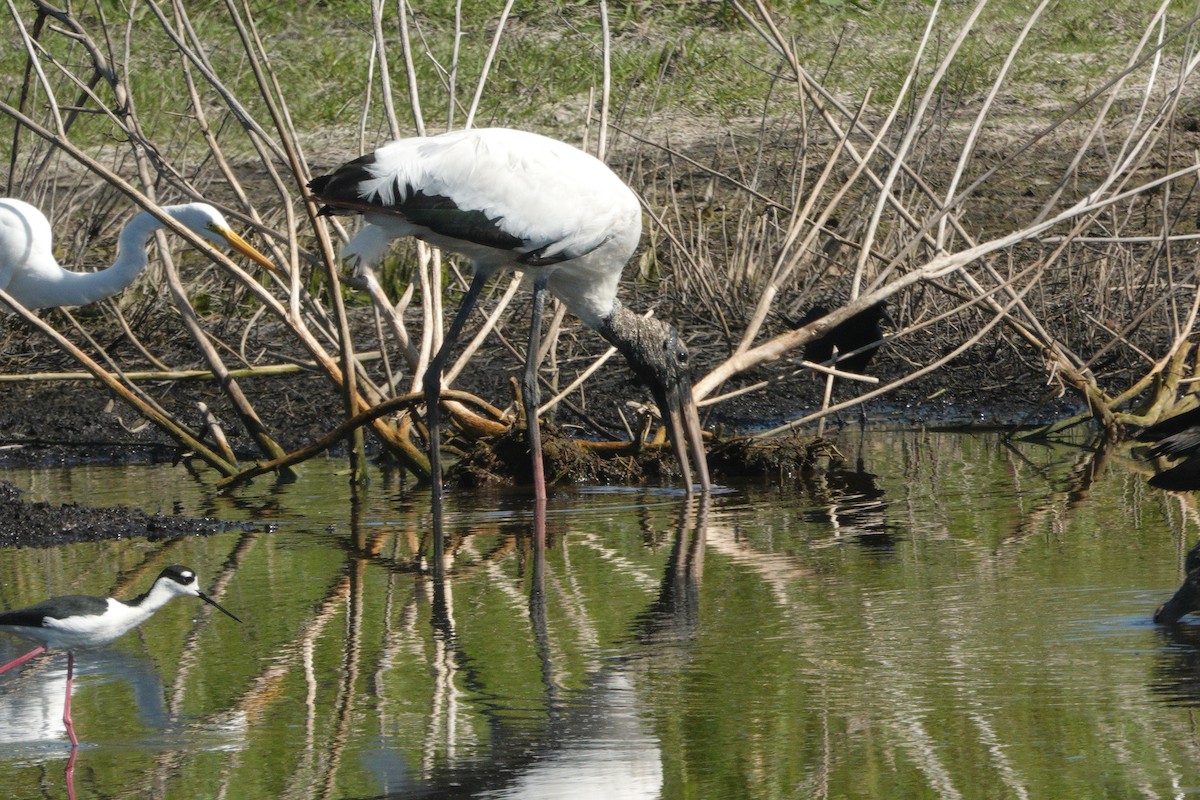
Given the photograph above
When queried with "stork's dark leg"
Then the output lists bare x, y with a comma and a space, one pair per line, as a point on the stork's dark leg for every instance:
531, 395
16, 662
67, 703
432, 383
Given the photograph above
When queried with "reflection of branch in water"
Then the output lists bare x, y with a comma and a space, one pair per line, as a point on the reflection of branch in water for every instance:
1069, 494
188, 655
352, 652
167, 763
267, 688
910, 728
981, 712
394, 638
443, 711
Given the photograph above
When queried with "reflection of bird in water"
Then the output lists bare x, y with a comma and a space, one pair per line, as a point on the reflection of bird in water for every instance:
1177, 667
31, 704
596, 740
1177, 438
80, 622
32, 276
1187, 596
509, 199
851, 501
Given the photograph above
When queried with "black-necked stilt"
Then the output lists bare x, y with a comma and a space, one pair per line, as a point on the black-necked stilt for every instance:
80, 622
509, 199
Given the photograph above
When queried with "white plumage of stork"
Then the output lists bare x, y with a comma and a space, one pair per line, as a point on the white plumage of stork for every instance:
509, 199
33, 277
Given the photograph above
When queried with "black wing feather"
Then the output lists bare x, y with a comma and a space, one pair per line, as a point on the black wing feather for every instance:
339, 191
443, 216
70, 606
1171, 426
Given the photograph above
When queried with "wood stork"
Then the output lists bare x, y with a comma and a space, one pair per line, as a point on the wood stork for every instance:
509, 199
32, 276
78, 622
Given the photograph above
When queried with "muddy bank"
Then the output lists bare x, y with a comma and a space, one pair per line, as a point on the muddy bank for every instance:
25, 524
78, 421
47, 422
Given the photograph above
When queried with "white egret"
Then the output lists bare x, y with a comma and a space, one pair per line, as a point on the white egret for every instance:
32, 276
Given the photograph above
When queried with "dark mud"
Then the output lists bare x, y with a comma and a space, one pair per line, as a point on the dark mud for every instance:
50, 422
26, 524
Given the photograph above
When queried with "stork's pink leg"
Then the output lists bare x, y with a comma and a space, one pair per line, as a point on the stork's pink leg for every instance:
69, 774
67, 703
531, 392
19, 661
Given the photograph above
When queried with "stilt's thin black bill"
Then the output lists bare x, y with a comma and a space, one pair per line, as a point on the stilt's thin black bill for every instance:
216, 605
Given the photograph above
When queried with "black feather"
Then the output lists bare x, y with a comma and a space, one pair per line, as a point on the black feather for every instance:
74, 605
340, 192
1176, 437
861, 332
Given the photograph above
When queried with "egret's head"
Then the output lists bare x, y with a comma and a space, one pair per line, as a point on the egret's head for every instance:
207, 222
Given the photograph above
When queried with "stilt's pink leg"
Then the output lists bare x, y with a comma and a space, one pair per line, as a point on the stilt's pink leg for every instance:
19, 661
67, 703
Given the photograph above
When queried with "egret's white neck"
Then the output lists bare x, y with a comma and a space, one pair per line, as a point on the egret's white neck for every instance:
131, 260
66, 288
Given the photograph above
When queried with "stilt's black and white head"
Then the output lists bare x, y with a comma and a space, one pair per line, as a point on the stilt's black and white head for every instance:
182, 581
658, 356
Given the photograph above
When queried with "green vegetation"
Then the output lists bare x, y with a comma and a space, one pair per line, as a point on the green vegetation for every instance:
697, 60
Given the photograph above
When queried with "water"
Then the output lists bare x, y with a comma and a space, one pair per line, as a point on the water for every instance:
958, 619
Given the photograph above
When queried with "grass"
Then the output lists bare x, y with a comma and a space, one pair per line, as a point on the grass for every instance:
696, 60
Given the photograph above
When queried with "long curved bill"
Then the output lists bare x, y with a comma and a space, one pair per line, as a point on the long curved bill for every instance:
683, 423
242, 246
215, 605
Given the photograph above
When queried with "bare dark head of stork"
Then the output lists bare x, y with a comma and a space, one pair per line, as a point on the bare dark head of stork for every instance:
508, 199
658, 356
